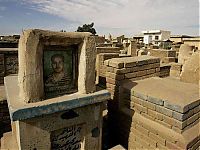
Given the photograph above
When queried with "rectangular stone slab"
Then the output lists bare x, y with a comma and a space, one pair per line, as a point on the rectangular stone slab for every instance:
129, 62
20, 110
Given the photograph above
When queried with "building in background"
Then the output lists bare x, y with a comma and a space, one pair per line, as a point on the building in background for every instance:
155, 36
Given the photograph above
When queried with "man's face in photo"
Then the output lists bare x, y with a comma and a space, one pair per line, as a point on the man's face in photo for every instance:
57, 64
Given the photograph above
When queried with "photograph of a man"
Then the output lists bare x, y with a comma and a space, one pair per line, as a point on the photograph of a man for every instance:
58, 76
58, 72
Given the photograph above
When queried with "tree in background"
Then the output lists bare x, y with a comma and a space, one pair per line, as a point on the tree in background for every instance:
87, 28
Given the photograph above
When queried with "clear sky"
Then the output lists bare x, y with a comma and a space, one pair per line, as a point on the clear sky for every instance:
117, 17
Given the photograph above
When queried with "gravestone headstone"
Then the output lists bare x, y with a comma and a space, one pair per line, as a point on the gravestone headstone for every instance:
53, 104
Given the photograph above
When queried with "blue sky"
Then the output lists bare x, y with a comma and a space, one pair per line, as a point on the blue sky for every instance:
117, 17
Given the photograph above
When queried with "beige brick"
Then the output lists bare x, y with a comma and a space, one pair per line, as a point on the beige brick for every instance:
143, 67
112, 87
177, 129
106, 62
110, 69
157, 69
147, 116
115, 76
142, 142
190, 113
152, 113
179, 124
151, 71
196, 109
168, 120
156, 65
192, 119
136, 132
116, 64
181, 144
150, 128
130, 75
149, 105
134, 69
141, 108
129, 64
122, 71
135, 145
141, 73
157, 138
112, 81
165, 124
172, 146
167, 137
137, 100
142, 130
159, 116
164, 111
150, 141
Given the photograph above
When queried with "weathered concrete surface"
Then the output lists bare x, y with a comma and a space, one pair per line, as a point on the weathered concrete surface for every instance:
20, 110
191, 71
31, 46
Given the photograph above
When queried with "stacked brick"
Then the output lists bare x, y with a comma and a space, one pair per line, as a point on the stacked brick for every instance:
158, 123
120, 70
101, 68
129, 68
167, 114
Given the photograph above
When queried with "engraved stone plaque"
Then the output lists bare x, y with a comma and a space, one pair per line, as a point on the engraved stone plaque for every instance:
59, 71
70, 138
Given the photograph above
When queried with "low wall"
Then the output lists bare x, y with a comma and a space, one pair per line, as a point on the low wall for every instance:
165, 55
158, 114
120, 70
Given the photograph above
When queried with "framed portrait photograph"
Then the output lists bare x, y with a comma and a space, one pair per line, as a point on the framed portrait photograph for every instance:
60, 75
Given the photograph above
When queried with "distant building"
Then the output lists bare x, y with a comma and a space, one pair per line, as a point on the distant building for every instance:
178, 38
155, 37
